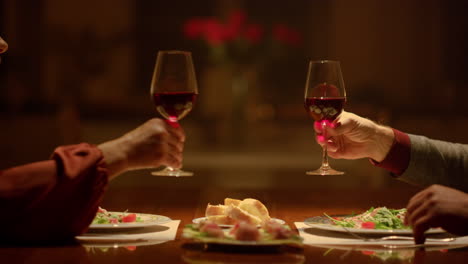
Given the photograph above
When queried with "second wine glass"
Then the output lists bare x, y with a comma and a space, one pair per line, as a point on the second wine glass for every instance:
325, 97
174, 91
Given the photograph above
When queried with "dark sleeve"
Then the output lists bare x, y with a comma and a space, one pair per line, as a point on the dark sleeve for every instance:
52, 200
398, 157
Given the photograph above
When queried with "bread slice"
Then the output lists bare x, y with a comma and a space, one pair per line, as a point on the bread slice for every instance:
255, 208
240, 215
221, 219
230, 201
215, 210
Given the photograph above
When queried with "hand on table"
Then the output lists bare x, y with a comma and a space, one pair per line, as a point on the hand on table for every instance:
438, 206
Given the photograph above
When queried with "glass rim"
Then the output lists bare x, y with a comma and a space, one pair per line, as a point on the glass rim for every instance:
324, 61
174, 52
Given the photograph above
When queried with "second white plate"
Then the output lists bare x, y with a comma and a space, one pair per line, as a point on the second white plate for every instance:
322, 222
146, 220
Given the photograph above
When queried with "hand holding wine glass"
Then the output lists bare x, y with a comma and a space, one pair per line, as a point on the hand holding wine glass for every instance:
325, 97
174, 91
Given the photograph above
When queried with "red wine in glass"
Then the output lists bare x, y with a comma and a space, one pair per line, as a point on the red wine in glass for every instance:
324, 108
174, 105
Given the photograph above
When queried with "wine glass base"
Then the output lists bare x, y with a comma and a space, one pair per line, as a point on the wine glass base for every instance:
172, 173
325, 171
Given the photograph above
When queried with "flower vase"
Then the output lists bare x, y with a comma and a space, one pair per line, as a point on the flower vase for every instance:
239, 111
226, 97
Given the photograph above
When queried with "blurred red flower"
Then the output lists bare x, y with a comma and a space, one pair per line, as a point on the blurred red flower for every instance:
214, 32
253, 33
236, 36
235, 24
193, 28
287, 35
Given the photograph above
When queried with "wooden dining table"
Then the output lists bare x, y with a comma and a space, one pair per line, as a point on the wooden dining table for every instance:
187, 203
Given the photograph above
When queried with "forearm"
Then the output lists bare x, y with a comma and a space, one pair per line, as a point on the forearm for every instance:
114, 157
19, 180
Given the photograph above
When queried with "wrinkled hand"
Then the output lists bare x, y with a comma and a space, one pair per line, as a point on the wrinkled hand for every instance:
353, 137
153, 144
438, 206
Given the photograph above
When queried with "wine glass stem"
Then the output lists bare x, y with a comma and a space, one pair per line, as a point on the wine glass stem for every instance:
174, 122
324, 148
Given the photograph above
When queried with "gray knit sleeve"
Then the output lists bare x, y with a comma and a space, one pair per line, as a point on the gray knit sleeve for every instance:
437, 162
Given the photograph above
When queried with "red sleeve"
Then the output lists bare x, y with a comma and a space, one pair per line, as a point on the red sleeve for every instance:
398, 157
52, 200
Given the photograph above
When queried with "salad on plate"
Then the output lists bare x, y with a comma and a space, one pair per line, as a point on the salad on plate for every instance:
105, 217
377, 221
374, 218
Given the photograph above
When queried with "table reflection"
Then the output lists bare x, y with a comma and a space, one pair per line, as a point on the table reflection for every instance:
112, 247
399, 255
222, 254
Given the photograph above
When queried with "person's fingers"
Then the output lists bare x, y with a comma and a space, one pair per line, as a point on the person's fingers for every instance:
320, 139
177, 132
335, 155
318, 127
174, 161
341, 127
169, 158
176, 149
332, 146
415, 202
417, 213
421, 225
174, 143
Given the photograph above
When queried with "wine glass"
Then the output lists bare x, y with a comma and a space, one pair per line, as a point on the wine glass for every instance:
173, 90
325, 97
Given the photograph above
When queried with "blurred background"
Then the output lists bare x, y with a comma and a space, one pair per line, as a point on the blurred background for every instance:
81, 71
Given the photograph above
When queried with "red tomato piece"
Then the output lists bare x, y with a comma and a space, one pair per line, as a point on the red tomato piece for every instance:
131, 248
114, 221
234, 229
129, 218
368, 225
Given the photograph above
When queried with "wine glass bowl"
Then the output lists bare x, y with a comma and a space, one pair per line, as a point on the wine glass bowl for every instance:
325, 97
174, 91
174, 105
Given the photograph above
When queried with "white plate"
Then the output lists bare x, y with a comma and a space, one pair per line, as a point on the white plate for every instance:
188, 233
323, 223
200, 219
147, 220
229, 242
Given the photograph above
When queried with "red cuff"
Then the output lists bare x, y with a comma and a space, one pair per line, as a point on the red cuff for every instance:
53, 200
398, 157
84, 176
